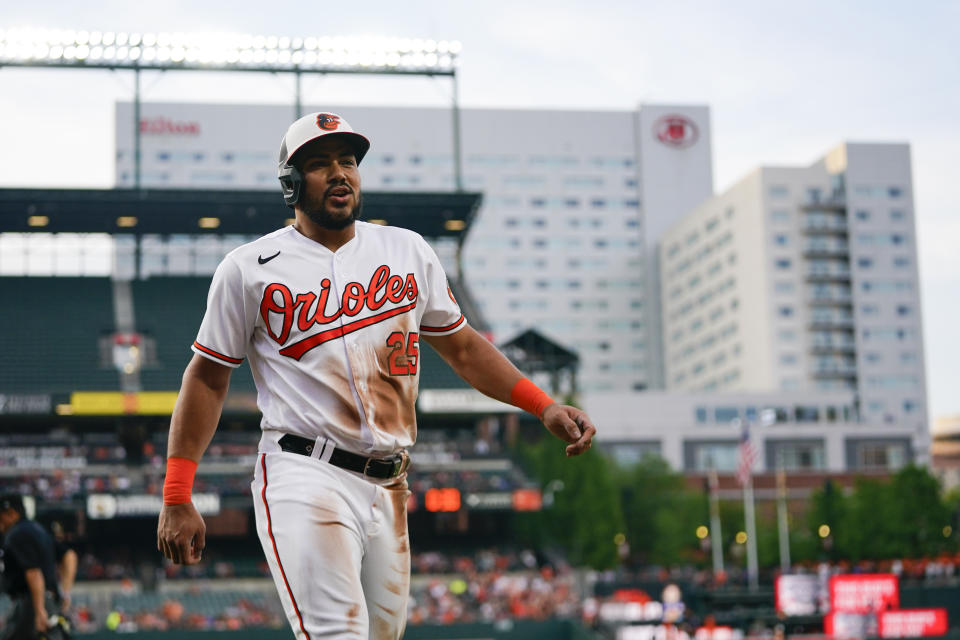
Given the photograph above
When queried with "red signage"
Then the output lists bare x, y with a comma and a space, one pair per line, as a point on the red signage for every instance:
912, 623
527, 500
864, 592
676, 131
165, 126
442, 499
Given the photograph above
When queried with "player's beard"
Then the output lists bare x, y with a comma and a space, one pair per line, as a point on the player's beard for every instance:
317, 212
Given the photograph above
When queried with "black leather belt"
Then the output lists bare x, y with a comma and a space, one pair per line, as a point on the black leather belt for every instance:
374, 467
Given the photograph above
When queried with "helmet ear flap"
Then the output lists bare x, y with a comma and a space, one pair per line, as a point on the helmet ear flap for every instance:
291, 184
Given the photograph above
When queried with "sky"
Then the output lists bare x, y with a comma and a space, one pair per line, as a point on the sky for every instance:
785, 82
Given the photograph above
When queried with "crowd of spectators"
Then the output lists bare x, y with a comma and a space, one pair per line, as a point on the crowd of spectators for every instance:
68, 468
491, 596
172, 615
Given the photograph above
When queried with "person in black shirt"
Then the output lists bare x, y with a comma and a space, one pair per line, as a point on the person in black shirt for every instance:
27, 561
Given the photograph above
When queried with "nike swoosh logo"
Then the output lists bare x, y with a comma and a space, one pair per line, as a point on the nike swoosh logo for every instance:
263, 260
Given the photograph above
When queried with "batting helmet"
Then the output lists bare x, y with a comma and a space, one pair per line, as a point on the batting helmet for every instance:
308, 128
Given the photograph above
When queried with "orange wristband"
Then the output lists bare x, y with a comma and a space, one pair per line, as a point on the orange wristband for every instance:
178, 485
529, 397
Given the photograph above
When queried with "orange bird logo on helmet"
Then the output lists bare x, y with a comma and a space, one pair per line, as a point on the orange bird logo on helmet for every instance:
328, 121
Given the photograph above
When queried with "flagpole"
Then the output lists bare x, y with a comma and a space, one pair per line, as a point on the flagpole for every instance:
745, 477
749, 516
782, 523
716, 537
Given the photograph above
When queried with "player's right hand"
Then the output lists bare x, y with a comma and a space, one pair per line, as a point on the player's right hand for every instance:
181, 533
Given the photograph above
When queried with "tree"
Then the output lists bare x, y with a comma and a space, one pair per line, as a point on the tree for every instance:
917, 512
585, 515
661, 513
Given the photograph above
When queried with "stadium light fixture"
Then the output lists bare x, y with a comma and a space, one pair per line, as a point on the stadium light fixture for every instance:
227, 52
67, 49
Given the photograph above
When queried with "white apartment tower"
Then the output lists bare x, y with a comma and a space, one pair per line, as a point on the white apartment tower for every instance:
802, 278
569, 198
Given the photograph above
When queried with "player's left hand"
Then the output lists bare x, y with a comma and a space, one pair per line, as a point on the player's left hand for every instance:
570, 425
40, 620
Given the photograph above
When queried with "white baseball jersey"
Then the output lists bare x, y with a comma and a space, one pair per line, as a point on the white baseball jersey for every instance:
332, 338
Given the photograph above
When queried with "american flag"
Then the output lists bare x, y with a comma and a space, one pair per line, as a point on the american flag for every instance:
748, 456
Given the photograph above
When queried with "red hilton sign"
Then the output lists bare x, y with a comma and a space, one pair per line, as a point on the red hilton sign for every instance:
165, 126
676, 131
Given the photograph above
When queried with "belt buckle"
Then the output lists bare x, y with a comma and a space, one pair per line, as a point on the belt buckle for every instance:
398, 464
397, 467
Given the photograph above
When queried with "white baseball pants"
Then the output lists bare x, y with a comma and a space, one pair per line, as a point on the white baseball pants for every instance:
336, 543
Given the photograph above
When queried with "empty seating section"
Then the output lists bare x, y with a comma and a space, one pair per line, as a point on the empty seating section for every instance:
50, 342
169, 310
53, 328
435, 373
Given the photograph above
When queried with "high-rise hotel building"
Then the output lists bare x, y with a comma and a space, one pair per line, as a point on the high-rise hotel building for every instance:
563, 242
802, 278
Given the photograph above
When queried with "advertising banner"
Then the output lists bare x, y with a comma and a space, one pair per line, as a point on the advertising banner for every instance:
797, 595
912, 623
864, 592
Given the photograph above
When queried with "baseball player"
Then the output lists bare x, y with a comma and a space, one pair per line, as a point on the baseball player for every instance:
330, 312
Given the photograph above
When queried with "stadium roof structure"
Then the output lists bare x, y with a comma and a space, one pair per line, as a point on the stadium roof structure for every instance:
193, 211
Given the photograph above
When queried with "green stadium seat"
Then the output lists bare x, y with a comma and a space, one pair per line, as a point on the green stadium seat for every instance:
51, 334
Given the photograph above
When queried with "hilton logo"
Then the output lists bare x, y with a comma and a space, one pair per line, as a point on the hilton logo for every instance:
676, 131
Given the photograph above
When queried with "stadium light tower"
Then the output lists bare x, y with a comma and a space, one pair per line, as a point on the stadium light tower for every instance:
68, 49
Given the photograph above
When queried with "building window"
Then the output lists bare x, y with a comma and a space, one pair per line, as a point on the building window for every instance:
881, 455
864, 262
797, 456
901, 261
788, 358
783, 287
896, 215
778, 191
785, 311
724, 415
782, 263
780, 215
903, 310
863, 214
894, 192
781, 239
716, 456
